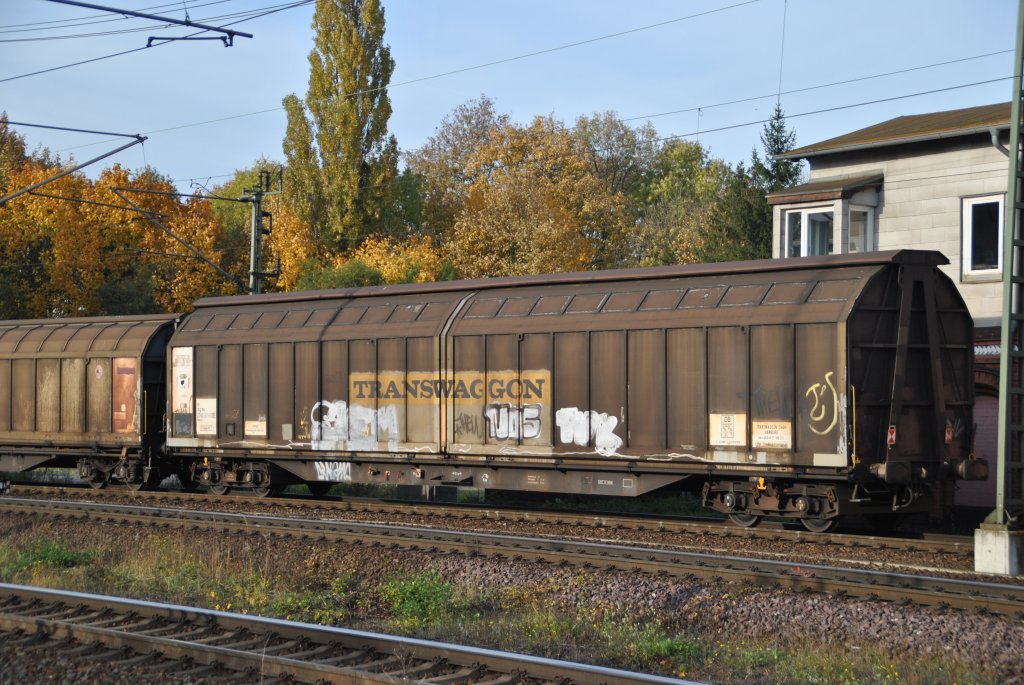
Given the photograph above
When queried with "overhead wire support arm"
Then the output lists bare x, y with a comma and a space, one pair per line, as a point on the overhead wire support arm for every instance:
151, 218
71, 170
228, 39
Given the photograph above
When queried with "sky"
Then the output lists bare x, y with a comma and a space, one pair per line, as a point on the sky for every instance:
208, 110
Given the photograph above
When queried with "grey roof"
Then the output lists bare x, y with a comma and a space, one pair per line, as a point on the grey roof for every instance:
912, 129
825, 189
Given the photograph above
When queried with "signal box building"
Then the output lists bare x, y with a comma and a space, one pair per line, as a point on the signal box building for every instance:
928, 181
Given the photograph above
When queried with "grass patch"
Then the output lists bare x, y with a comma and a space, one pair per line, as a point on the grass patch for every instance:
378, 590
422, 599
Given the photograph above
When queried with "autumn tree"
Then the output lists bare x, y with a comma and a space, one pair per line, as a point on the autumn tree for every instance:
535, 206
682, 198
80, 249
444, 162
12, 151
341, 162
623, 157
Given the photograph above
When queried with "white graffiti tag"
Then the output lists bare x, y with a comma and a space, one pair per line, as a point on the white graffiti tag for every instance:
336, 426
825, 411
508, 422
336, 471
580, 427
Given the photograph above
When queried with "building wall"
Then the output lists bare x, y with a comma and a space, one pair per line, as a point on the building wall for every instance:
919, 206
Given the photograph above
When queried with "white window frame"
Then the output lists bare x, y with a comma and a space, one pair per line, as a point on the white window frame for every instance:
804, 242
869, 228
966, 245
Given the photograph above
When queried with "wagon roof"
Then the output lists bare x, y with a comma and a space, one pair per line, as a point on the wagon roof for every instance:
917, 257
127, 336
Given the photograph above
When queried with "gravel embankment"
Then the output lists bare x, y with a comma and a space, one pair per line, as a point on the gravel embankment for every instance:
718, 612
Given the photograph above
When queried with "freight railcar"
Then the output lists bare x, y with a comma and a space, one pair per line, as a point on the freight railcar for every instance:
87, 394
806, 388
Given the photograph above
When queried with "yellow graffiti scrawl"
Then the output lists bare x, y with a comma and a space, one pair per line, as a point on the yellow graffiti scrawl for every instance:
823, 404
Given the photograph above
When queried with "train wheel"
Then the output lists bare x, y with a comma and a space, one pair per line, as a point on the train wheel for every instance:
820, 525
98, 484
218, 489
745, 520
135, 487
319, 489
268, 490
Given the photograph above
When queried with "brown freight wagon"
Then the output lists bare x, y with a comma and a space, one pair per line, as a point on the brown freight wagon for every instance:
797, 387
85, 393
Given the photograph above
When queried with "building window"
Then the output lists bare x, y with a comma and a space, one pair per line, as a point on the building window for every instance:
862, 230
808, 232
982, 219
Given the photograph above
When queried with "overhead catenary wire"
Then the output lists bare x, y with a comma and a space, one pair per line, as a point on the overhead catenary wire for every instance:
298, 3
139, 29
732, 126
626, 119
99, 18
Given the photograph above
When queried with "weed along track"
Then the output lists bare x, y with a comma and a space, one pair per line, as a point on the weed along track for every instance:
164, 638
995, 598
949, 553
644, 609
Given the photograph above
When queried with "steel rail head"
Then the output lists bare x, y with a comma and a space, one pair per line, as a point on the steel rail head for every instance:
279, 663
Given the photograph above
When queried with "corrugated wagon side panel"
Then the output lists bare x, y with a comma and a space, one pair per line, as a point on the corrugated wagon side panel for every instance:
207, 378
72, 391
99, 389
501, 412
467, 411
686, 373
771, 383
362, 409
535, 359
256, 400
608, 419
5, 395
571, 384
820, 421
423, 412
647, 403
307, 390
391, 403
23, 377
281, 420
728, 395
48, 395
230, 393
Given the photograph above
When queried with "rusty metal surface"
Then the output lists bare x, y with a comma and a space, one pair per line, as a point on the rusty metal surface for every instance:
76, 382
718, 269
735, 369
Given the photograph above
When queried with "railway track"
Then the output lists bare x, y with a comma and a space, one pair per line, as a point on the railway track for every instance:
238, 648
955, 545
996, 598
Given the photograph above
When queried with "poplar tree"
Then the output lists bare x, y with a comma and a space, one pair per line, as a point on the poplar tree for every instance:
341, 162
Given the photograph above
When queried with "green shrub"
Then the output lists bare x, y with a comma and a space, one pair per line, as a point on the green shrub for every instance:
419, 600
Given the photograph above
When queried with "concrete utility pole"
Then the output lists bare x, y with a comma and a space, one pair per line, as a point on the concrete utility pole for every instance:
999, 542
255, 197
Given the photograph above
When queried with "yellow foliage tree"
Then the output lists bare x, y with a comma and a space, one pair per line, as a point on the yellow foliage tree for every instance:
536, 206
76, 249
292, 242
415, 260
